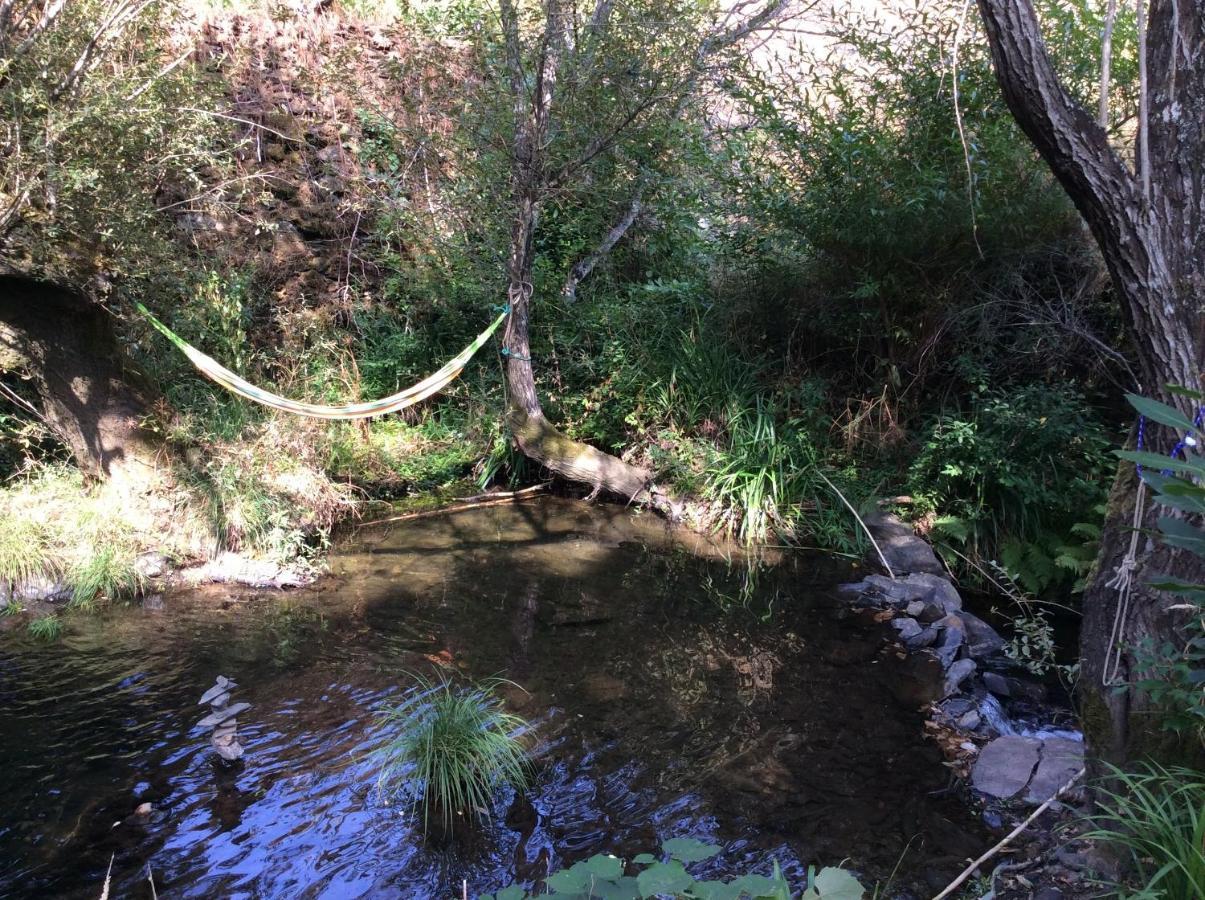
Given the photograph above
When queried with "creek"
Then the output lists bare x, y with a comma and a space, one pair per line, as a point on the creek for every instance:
673, 690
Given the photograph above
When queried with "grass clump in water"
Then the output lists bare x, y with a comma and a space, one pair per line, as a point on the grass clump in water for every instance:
1158, 815
46, 628
454, 747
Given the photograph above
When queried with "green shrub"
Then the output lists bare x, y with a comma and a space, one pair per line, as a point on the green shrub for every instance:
1158, 815
1011, 476
453, 748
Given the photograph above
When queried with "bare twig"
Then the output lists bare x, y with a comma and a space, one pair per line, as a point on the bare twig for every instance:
970, 870
470, 503
962, 135
1106, 62
865, 528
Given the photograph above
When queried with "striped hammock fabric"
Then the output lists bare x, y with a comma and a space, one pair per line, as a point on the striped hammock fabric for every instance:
433, 384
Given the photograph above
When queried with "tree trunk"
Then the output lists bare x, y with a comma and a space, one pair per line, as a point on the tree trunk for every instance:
92, 397
1150, 230
537, 438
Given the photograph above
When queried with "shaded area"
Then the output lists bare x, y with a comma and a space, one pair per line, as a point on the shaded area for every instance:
769, 727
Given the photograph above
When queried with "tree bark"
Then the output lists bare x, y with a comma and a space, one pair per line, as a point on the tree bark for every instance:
92, 397
1151, 233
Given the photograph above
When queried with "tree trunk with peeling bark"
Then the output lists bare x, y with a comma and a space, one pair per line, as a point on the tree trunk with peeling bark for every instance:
1150, 227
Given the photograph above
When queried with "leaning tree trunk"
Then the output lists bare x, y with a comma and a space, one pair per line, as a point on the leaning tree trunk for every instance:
1150, 227
91, 396
537, 438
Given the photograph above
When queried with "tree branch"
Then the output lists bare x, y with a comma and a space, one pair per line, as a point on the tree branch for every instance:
584, 266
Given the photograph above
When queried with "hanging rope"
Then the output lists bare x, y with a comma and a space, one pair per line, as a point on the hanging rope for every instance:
1123, 576
433, 384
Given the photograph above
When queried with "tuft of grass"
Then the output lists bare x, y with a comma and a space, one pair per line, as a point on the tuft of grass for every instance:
11, 607
26, 551
108, 573
46, 628
455, 746
1158, 814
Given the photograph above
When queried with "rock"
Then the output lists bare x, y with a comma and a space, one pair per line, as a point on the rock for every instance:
1017, 688
957, 706
904, 550
958, 672
997, 684
222, 685
897, 591
939, 590
143, 810
1060, 759
969, 721
908, 628
152, 565
1005, 766
35, 590
926, 638
1048, 893
1095, 860
953, 635
931, 611
915, 608
221, 715
982, 638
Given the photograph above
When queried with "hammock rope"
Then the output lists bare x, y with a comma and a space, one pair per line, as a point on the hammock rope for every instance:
222, 376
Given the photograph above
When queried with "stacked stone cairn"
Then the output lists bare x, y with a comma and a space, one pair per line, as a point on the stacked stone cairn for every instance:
221, 719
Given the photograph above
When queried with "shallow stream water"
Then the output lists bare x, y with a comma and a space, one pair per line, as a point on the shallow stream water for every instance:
670, 696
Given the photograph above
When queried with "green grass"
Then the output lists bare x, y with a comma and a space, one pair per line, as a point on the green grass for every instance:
453, 748
11, 608
1158, 815
26, 552
46, 628
109, 573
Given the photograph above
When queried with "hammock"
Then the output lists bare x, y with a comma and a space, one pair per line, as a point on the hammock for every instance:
433, 384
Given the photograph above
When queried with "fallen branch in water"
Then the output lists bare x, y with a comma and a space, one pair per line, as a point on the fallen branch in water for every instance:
970, 870
477, 500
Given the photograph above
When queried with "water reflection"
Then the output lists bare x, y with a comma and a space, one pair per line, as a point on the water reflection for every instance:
658, 715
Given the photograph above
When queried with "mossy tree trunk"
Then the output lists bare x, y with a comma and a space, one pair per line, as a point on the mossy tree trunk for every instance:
91, 396
536, 437
1148, 223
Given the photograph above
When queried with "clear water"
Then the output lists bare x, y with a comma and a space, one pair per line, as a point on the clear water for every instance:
770, 728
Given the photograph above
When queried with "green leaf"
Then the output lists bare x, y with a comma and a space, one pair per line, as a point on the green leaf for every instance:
715, 890
837, 884
1179, 533
663, 878
689, 850
1180, 391
1160, 412
644, 858
603, 866
625, 888
1156, 461
757, 885
569, 881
